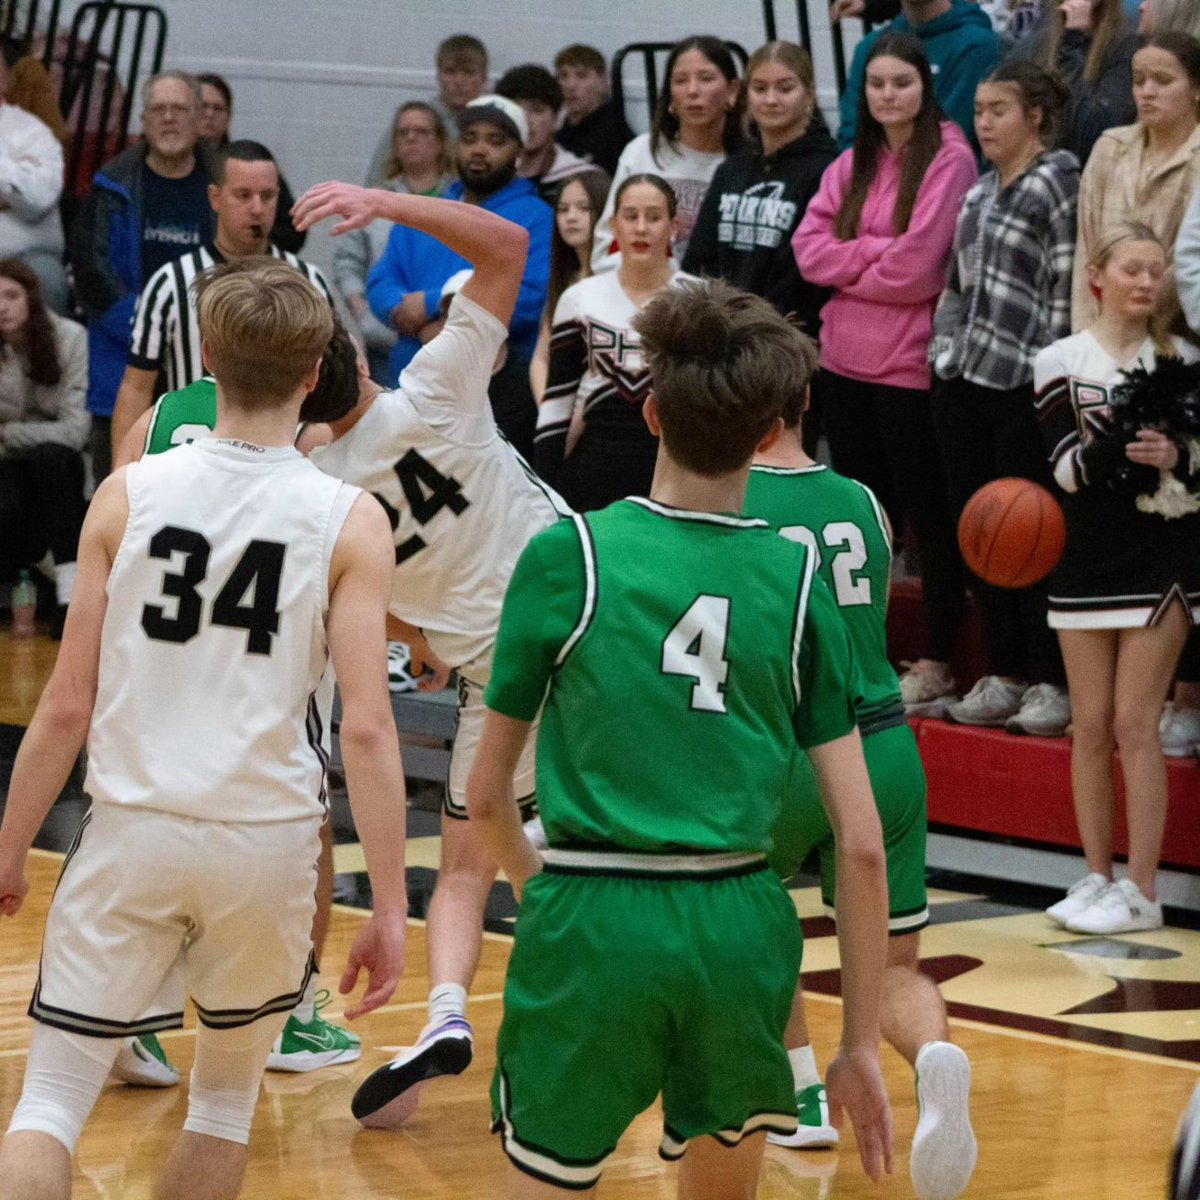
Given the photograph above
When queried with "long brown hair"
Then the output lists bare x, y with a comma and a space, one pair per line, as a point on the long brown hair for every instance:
795, 59
45, 367
566, 267
665, 124
1175, 16
870, 141
1109, 18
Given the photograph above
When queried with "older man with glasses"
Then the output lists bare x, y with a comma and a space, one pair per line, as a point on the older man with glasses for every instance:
146, 207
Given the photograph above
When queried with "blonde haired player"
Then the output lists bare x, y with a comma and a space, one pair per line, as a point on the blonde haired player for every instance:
214, 584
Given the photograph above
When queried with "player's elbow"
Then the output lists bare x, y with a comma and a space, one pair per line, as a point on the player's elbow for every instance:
863, 854
66, 711
367, 734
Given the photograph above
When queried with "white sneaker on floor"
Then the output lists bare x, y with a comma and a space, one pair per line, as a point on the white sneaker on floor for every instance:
1179, 731
1120, 908
142, 1062
989, 703
928, 689
1081, 895
1045, 712
944, 1150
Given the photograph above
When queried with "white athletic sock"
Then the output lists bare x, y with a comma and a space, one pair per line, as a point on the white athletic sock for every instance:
64, 581
306, 1010
804, 1067
447, 1000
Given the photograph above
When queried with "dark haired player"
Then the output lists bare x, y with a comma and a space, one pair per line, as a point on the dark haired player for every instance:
655, 951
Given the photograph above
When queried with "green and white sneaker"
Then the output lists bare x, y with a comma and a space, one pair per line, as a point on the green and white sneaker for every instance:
814, 1131
318, 1044
142, 1062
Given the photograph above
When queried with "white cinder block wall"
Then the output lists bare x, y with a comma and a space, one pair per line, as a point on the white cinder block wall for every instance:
318, 82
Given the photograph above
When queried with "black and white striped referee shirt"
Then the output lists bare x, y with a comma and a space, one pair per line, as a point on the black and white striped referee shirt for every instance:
166, 332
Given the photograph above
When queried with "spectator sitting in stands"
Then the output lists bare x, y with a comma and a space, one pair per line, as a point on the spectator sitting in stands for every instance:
43, 430
462, 70
577, 208
166, 331
1145, 172
146, 207
1170, 16
420, 166
216, 111
405, 286
697, 122
1011, 19
543, 161
31, 181
962, 48
592, 126
30, 86
1090, 43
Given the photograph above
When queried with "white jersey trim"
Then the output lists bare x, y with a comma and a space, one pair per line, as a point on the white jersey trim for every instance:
704, 518
591, 583
810, 566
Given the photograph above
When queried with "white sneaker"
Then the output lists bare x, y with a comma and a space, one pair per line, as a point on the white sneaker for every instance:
1045, 712
1120, 908
1179, 731
989, 703
927, 690
399, 664
1081, 895
944, 1150
142, 1062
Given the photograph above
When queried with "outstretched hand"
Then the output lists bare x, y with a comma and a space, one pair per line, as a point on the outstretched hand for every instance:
855, 1083
13, 887
379, 948
354, 204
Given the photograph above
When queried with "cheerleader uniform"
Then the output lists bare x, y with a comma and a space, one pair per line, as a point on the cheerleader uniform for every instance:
1122, 568
597, 384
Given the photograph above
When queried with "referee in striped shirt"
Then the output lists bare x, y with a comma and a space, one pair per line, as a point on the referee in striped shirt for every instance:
166, 334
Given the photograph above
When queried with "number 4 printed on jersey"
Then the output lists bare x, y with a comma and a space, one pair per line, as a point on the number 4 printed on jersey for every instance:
695, 648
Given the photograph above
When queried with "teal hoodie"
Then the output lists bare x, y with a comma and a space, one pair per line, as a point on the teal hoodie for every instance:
963, 49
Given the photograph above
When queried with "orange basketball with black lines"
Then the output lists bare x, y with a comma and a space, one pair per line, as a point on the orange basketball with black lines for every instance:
1012, 533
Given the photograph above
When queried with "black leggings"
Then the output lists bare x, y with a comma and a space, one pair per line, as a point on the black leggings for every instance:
987, 434
884, 437
41, 506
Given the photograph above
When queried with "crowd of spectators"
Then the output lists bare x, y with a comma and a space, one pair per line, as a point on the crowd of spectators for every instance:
955, 227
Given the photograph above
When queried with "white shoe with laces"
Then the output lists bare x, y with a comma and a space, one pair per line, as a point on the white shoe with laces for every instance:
1120, 908
1179, 731
944, 1150
927, 688
1081, 895
1045, 712
989, 703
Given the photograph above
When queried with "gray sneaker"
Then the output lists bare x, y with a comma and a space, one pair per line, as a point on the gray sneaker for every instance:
1045, 712
1179, 731
989, 703
928, 690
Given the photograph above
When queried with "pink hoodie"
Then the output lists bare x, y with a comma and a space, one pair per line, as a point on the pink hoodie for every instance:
877, 326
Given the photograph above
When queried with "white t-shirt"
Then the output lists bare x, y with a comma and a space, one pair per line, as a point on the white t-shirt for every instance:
462, 501
214, 647
689, 172
1089, 373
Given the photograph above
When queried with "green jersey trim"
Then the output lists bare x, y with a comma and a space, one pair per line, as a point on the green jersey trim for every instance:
811, 470
591, 589
703, 518
810, 566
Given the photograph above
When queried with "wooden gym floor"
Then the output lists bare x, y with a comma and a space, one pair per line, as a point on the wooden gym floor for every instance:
1084, 1051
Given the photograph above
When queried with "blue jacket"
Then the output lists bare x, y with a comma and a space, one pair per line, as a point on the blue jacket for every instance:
106, 253
416, 262
963, 49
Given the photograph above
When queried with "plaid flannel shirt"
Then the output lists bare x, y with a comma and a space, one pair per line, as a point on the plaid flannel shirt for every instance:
1009, 291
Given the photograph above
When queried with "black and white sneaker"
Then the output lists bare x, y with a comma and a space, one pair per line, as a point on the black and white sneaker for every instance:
388, 1096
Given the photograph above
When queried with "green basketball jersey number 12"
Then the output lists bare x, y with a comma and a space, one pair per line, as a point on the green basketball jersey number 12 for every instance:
183, 416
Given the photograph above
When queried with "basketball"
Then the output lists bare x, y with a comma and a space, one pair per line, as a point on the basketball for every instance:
1011, 533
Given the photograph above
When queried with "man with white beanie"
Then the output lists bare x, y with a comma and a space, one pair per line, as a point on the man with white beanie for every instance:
404, 288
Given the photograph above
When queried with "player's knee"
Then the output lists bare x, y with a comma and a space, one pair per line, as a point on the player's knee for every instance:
63, 1078
225, 1113
1135, 727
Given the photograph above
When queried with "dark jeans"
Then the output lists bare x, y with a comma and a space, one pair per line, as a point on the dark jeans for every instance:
41, 506
884, 437
100, 444
986, 434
